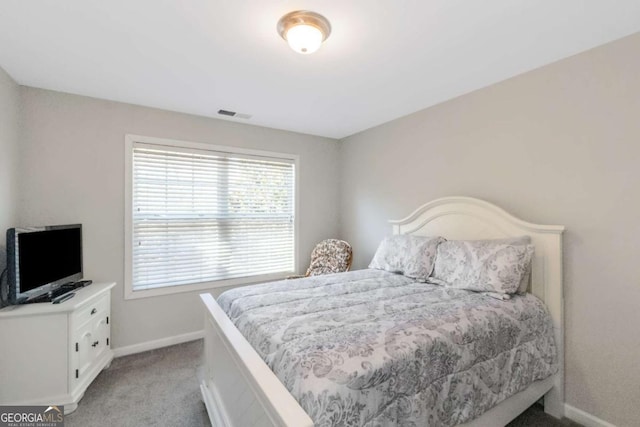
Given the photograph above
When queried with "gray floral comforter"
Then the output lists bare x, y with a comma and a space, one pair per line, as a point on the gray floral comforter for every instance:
372, 348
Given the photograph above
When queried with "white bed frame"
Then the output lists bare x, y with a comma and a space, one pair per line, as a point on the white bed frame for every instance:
239, 389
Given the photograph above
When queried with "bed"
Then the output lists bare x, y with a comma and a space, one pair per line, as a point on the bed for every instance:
263, 383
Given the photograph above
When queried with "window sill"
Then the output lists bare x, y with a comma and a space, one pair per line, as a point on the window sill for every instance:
169, 290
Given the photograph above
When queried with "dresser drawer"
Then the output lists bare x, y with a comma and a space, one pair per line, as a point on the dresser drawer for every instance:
95, 309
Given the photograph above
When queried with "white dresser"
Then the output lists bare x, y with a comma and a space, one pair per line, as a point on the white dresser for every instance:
50, 353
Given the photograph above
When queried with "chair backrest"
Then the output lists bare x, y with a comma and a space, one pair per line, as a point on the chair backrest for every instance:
330, 256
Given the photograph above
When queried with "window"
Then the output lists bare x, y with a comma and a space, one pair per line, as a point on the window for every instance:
201, 216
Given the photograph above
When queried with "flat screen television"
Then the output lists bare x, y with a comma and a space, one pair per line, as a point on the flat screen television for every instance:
40, 259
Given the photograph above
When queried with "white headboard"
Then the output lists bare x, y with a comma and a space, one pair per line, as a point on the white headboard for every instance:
466, 218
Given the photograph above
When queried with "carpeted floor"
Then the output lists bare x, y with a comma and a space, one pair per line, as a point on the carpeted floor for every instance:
160, 388
154, 388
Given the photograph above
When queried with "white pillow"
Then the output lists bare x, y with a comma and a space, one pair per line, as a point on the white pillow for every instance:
499, 266
412, 256
522, 240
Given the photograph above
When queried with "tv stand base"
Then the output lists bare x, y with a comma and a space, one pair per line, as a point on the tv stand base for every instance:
51, 353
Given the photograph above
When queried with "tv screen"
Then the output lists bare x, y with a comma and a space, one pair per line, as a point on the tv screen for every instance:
40, 258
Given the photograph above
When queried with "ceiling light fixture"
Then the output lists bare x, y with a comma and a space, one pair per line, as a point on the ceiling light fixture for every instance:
304, 30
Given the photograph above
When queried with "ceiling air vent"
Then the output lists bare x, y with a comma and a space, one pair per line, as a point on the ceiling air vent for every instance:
234, 114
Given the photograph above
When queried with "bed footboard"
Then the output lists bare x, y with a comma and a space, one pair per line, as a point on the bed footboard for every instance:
239, 389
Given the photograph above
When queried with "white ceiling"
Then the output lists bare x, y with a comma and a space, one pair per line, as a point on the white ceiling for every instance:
384, 58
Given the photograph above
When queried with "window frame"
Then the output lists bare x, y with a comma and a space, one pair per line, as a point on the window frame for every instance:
130, 141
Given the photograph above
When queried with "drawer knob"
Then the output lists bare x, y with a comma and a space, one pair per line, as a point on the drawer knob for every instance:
93, 311
95, 343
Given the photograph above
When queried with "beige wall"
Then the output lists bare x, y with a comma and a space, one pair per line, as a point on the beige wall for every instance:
9, 127
72, 153
558, 145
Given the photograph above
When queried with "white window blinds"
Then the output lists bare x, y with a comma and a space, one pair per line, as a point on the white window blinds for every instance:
201, 216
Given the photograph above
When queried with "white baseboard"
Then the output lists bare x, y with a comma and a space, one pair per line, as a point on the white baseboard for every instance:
584, 418
152, 345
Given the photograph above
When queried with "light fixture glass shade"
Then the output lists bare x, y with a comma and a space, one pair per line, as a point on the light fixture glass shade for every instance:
304, 30
304, 39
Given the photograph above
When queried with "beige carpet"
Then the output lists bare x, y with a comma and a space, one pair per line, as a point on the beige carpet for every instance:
160, 388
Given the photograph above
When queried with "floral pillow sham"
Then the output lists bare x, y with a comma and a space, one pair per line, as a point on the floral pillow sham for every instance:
522, 240
499, 266
412, 256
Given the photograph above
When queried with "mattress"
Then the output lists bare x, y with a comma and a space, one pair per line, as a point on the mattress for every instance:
372, 348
